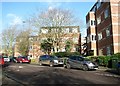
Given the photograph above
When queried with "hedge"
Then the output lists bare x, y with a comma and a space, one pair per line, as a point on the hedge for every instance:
66, 54
106, 60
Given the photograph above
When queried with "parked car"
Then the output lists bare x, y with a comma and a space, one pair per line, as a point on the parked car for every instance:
1, 60
80, 62
6, 58
13, 59
50, 60
118, 67
22, 59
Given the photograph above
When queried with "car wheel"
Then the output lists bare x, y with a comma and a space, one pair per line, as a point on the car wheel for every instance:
64, 66
40, 63
15, 61
51, 64
20, 61
85, 68
68, 66
118, 70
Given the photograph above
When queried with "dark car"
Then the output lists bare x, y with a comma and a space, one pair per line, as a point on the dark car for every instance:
118, 67
22, 59
80, 62
13, 59
50, 60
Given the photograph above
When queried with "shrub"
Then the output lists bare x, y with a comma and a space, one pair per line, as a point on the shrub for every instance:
61, 54
103, 60
116, 56
66, 54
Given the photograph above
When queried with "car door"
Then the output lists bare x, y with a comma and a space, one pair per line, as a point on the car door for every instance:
46, 59
43, 59
79, 62
18, 59
72, 61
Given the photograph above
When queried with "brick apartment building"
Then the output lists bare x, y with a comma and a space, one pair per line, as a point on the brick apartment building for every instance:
67, 33
83, 46
103, 28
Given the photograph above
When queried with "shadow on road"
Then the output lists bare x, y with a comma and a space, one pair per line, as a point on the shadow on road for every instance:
48, 77
112, 71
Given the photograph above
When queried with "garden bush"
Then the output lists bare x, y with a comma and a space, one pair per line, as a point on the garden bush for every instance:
103, 60
116, 56
66, 54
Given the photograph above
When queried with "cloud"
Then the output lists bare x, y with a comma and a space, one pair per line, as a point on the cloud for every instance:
10, 15
52, 5
13, 19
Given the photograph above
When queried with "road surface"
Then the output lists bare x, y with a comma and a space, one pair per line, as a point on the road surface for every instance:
36, 75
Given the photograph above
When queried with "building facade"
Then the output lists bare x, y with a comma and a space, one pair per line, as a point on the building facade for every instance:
103, 28
59, 34
62, 35
83, 46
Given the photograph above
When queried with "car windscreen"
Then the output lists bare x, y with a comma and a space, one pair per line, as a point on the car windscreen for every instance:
86, 59
24, 57
53, 57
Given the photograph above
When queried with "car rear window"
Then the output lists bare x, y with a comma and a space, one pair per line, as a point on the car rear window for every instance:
5, 57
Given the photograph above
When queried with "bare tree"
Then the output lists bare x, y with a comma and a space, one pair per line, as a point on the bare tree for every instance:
53, 19
8, 39
22, 42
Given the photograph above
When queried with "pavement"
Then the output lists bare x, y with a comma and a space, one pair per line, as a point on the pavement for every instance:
104, 68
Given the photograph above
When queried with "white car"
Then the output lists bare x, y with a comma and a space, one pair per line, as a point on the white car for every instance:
6, 59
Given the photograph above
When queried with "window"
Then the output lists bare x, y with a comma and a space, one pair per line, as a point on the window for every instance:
93, 37
75, 30
99, 20
44, 30
98, 4
94, 9
108, 50
99, 36
88, 39
31, 39
31, 47
106, 13
73, 57
66, 30
88, 24
92, 22
70, 30
107, 32
75, 40
79, 58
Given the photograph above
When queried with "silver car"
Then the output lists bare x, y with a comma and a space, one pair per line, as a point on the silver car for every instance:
50, 60
80, 62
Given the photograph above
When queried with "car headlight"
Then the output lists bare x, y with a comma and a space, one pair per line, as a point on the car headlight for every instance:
91, 64
55, 61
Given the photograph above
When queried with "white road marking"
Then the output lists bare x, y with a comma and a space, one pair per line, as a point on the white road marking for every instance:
20, 66
110, 75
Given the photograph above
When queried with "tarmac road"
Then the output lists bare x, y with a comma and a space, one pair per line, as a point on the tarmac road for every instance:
28, 74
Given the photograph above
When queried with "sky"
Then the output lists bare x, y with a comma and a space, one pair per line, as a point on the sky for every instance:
16, 12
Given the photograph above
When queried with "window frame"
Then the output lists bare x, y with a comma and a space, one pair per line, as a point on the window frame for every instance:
106, 13
107, 32
100, 36
99, 20
108, 49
